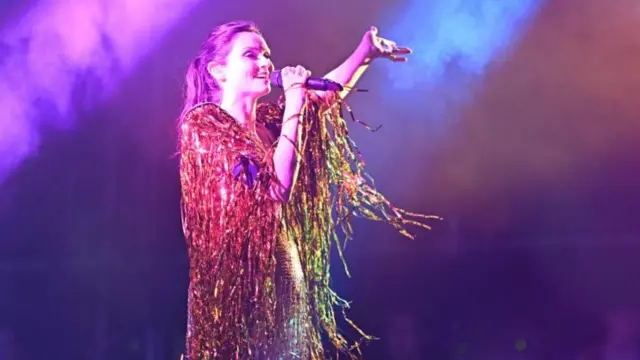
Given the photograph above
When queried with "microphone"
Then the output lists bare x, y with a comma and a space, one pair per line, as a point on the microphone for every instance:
312, 83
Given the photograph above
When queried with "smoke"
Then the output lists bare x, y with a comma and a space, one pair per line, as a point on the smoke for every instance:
453, 42
66, 52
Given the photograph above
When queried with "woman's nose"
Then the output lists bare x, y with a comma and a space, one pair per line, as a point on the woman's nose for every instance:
265, 63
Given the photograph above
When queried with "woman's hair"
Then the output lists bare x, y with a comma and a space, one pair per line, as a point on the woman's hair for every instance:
199, 85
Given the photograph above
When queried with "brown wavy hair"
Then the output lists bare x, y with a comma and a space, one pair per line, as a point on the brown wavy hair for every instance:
199, 85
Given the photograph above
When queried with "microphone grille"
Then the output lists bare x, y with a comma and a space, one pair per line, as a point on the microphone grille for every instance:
276, 78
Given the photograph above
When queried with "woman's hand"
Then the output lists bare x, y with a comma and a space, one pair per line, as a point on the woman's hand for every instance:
378, 47
293, 83
371, 47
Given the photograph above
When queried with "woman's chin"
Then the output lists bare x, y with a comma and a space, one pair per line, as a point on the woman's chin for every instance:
265, 91
258, 91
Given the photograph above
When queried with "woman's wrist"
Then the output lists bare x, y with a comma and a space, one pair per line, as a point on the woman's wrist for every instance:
363, 53
293, 103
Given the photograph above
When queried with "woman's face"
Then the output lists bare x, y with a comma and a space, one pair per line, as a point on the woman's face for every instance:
248, 66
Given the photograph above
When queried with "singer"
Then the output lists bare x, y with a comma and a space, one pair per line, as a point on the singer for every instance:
259, 182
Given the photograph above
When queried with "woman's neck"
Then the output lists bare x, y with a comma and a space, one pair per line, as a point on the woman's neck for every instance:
243, 110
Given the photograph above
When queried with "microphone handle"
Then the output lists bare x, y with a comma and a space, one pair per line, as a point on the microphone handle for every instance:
311, 83
323, 85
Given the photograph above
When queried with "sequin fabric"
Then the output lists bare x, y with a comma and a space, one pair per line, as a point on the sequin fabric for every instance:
259, 269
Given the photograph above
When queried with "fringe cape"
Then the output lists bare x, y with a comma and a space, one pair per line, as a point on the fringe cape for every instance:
259, 269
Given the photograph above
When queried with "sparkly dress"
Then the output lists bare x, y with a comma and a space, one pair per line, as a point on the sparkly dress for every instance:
259, 269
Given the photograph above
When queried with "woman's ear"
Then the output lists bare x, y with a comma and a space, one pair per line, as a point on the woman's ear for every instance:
216, 71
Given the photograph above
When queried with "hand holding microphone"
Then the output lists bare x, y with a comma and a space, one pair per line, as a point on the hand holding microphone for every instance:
292, 80
278, 79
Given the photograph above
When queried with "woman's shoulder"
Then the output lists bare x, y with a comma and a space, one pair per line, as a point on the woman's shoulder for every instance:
206, 114
269, 115
270, 112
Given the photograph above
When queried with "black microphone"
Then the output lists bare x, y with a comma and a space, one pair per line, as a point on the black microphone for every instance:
312, 83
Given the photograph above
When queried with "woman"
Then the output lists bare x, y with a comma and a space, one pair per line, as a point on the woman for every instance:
259, 183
